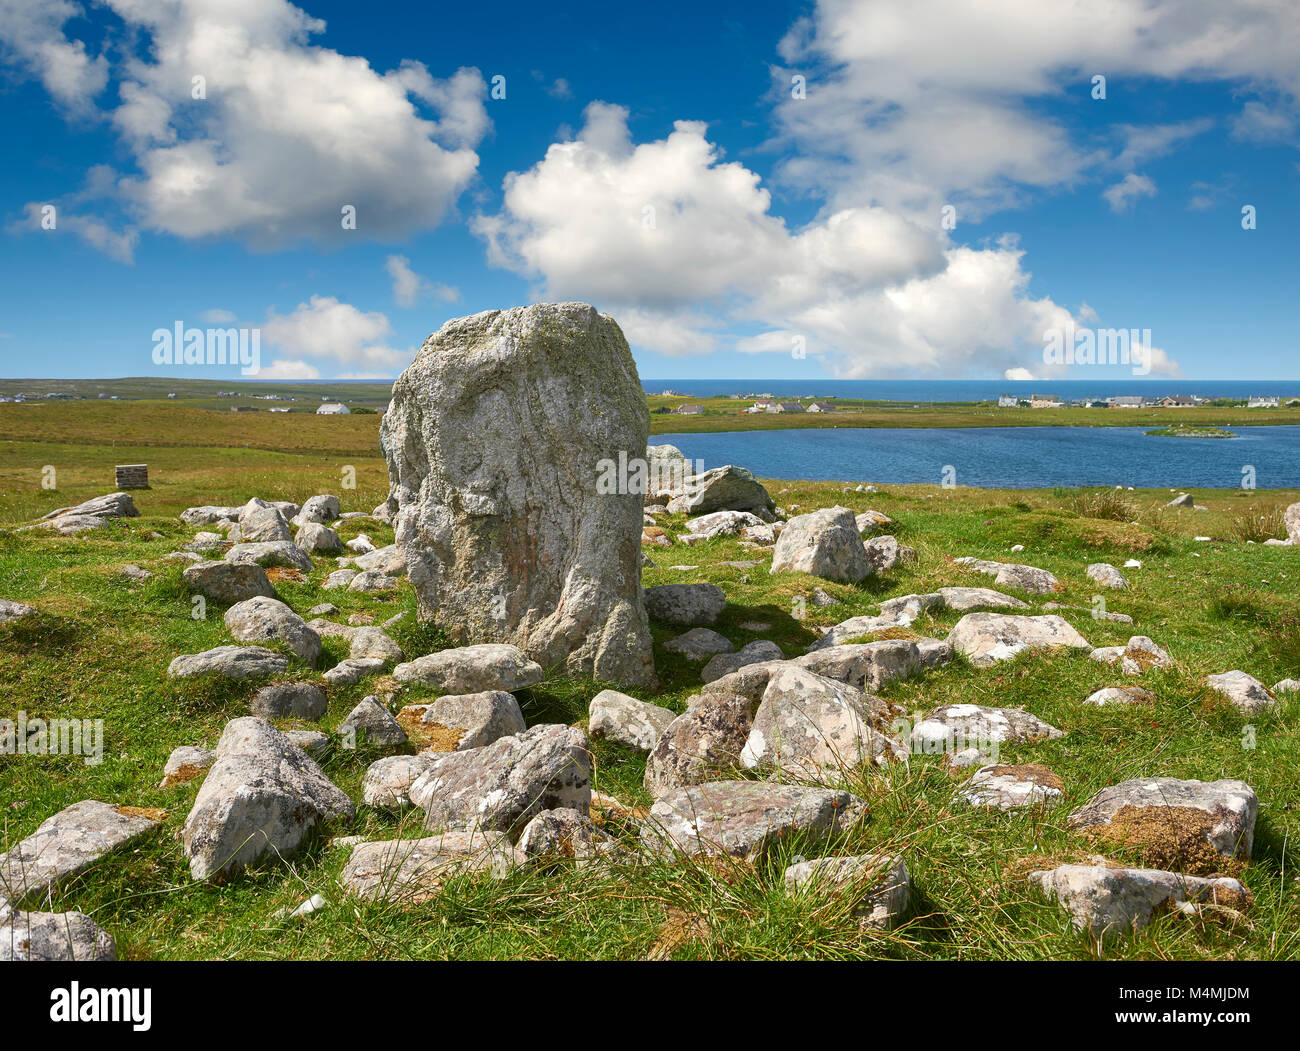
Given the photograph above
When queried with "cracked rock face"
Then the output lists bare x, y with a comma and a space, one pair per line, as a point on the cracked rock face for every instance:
987, 638
745, 818
497, 439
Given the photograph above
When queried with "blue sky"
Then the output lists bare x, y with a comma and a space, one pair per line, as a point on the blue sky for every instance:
663, 165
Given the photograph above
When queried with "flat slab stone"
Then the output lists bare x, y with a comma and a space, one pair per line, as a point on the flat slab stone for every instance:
699, 644
53, 937
271, 553
233, 662
1245, 691
1107, 901
473, 669
1191, 826
756, 652
635, 724
11, 611
1010, 574
745, 818
987, 638
880, 883
413, 870
67, 843
353, 670
228, 582
689, 605
953, 727
1120, 695
457, 722
186, 763
1011, 787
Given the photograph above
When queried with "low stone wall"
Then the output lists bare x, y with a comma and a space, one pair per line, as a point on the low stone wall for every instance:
132, 476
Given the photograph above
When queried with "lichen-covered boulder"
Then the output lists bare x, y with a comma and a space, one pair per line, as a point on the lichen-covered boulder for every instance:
824, 543
503, 442
987, 638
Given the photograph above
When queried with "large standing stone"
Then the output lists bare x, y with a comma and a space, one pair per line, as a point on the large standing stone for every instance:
825, 543
262, 796
500, 438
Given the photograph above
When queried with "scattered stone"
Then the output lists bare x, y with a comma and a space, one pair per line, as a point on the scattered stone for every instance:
1012, 787
869, 665
705, 741
757, 652
48, 937
1245, 691
699, 644
354, 669
880, 882
228, 582
885, 552
388, 781
374, 642
745, 818
870, 521
952, 727
322, 509
556, 835
987, 638
1181, 500
232, 662
722, 523
825, 543
262, 796
504, 785
1286, 686
340, 578
688, 605
262, 619
68, 843
313, 742
473, 669
206, 515
1121, 695
372, 580
410, 871
1291, 518
271, 553
186, 763
617, 717
1106, 901
313, 904
1139, 654
728, 488
325, 609
458, 722
1132, 563
12, 611
1007, 574
317, 539
821, 599
1188, 826
1106, 575
361, 544
372, 723
260, 525
135, 573
114, 505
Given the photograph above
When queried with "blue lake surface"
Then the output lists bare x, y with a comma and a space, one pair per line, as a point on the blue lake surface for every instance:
1005, 457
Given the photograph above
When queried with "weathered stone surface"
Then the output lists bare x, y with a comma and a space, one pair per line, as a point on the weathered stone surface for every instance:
66, 844
262, 796
264, 524
1190, 826
317, 539
728, 488
233, 662
903, 611
1108, 901
316, 744
933, 652
745, 818
228, 582
870, 521
1009, 574
617, 717
186, 763
48, 937
558, 835
385, 559
458, 722
1291, 518
519, 542
706, 740
413, 870
290, 700
374, 642
473, 669
1245, 691
869, 665
261, 619
1182, 500
207, 514
880, 883
699, 644
361, 544
502, 786
825, 543
811, 728
372, 580
1011, 787
11, 611
722, 523
1139, 654
372, 723
1286, 686
271, 553
885, 552
1106, 575
1121, 695
354, 669
757, 652
340, 578
951, 727
987, 638
685, 604
388, 781
70, 524
113, 505
321, 509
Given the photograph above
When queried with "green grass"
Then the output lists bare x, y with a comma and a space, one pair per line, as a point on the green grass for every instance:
100, 648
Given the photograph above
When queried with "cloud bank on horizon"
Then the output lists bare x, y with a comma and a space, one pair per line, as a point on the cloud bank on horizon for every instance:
893, 123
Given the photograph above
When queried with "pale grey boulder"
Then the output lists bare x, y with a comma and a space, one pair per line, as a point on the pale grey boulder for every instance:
261, 525
208, 514
1106, 901
53, 937
933, 653
317, 539
617, 717
987, 638
811, 728
1120, 695
290, 700
825, 543
502, 786
746, 818
228, 582
1001, 787
473, 669
372, 580
370, 722
1248, 694
414, 870
232, 662
727, 488
66, 844
870, 521
113, 505
388, 560
1193, 825
521, 540
472, 719
558, 835
722, 523
263, 796
885, 552
1009, 574
262, 619
880, 883
1135, 657
952, 727
353, 670
340, 578
759, 651
687, 605
12, 611
1182, 500
1106, 575
320, 509
869, 665
388, 781
271, 553
1286, 686
374, 642
699, 644
707, 740
186, 763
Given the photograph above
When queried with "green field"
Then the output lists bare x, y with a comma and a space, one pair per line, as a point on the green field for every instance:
100, 647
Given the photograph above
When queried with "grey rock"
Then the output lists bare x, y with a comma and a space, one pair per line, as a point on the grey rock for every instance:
1291, 518
880, 882
207, 514
272, 553
870, 665
1106, 575
47, 937
1245, 691
952, 727
317, 539
825, 543
354, 669
556, 835
228, 582
413, 870
688, 605
186, 763
1011, 787
316, 744
1008, 574
758, 652
340, 578
1139, 654
987, 638
722, 523
262, 796
885, 552
699, 644
261, 619
260, 525
290, 700
473, 719
1286, 686
617, 717
1181, 500
728, 488
12, 611
321, 509
374, 642
1120, 695
114, 505
372, 580
388, 781
372, 723
232, 662
324, 609
473, 669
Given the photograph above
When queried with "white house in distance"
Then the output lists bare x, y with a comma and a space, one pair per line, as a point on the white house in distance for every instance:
333, 408
689, 410
1264, 401
1046, 401
1008, 401
1127, 401
821, 406
785, 406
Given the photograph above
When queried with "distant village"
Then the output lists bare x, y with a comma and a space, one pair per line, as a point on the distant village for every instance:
326, 408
